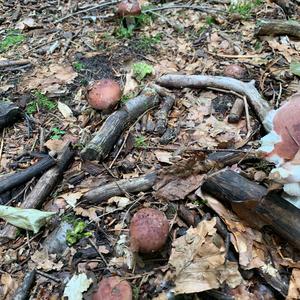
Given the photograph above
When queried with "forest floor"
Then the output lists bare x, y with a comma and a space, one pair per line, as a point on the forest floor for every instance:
66, 46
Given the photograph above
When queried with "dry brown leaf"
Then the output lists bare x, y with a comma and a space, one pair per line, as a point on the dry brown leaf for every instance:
42, 260
179, 188
50, 79
243, 238
55, 145
163, 156
9, 285
199, 260
130, 83
294, 288
89, 212
71, 198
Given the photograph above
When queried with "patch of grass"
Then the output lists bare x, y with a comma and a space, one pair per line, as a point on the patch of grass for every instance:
40, 101
145, 42
141, 70
245, 9
140, 142
78, 66
11, 39
78, 232
57, 133
124, 33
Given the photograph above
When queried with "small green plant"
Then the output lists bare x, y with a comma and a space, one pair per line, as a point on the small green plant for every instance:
200, 202
210, 20
127, 97
57, 133
140, 142
141, 70
78, 232
40, 101
244, 9
78, 66
11, 39
123, 32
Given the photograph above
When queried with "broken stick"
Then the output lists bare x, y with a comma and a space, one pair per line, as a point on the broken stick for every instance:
41, 190
104, 140
260, 105
278, 27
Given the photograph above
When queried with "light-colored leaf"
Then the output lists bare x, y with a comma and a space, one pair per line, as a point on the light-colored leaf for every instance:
76, 286
295, 68
29, 219
64, 109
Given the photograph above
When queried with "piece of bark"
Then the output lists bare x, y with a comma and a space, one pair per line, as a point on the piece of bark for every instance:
9, 113
11, 181
105, 139
260, 105
22, 293
252, 203
120, 187
278, 27
162, 114
187, 215
41, 190
236, 111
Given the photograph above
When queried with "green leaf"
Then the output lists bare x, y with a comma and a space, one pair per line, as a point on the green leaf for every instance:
141, 70
295, 68
29, 219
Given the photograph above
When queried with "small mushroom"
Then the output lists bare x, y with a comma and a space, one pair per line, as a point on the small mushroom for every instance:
149, 230
104, 94
235, 71
113, 288
128, 8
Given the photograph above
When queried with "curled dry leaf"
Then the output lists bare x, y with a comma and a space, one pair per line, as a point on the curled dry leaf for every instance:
200, 263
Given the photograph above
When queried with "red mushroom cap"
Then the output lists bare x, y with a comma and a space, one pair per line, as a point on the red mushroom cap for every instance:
286, 125
149, 230
129, 8
113, 288
104, 94
235, 71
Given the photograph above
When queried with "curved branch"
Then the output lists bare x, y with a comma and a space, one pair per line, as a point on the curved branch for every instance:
260, 105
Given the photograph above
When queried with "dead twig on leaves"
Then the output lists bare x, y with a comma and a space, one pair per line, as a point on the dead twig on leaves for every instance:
248, 89
12, 63
99, 6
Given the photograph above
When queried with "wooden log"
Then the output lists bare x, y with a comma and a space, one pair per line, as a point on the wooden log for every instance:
9, 113
19, 178
9, 63
41, 190
104, 140
23, 291
278, 27
255, 205
120, 187
260, 105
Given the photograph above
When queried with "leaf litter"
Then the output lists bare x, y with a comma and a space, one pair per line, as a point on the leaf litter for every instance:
65, 57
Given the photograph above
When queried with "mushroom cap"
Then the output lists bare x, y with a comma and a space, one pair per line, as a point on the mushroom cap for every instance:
235, 71
104, 94
149, 229
129, 8
285, 135
113, 288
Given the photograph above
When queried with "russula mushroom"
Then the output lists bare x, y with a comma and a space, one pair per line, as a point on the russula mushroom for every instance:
235, 71
128, 8
149, 230
104, 94
281, 146
113, 288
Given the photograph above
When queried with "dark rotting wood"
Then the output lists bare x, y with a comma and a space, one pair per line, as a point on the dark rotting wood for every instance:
9, 113
23, 291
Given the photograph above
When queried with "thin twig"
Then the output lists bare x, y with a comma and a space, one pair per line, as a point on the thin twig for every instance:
2, 143
100, 254
180, 6
247, 117
48, 276
102, 5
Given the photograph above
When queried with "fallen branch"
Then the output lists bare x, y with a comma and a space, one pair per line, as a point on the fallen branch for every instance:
278, 27
41, 190
11, 63
252, 203
100, 146
120, 187
11, 181
260, 105
9, 113
23, 291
